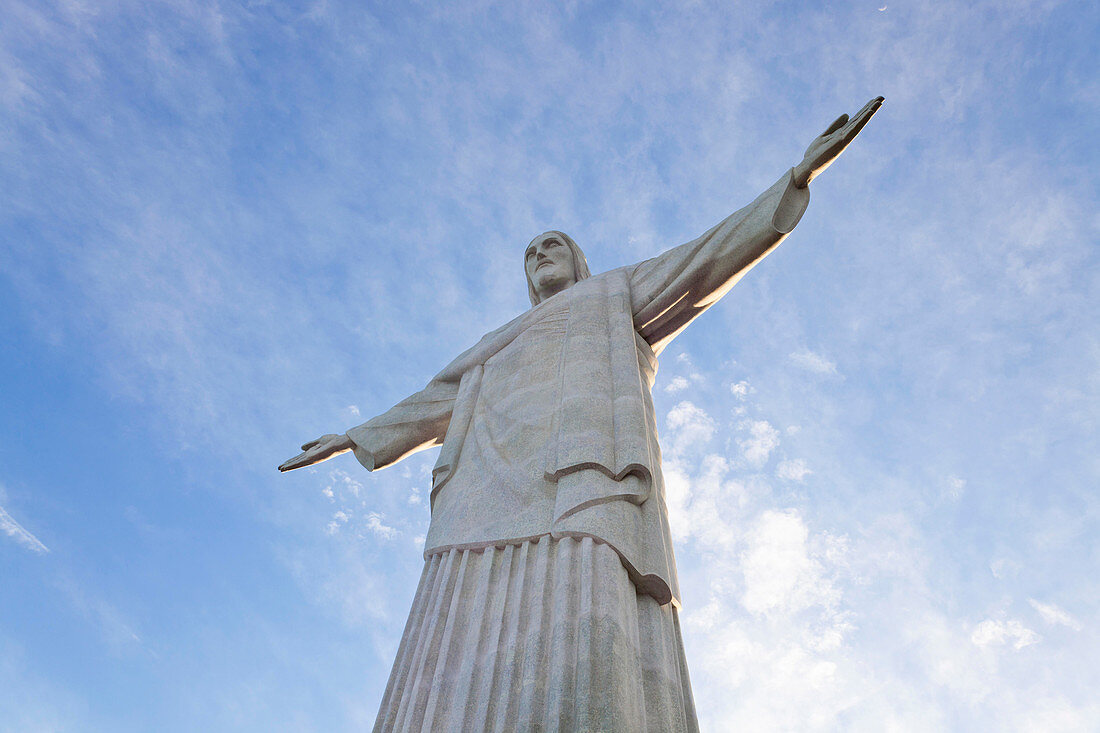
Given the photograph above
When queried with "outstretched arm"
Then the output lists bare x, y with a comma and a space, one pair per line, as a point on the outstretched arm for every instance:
318, 451
415, 423
831, 143
669, 291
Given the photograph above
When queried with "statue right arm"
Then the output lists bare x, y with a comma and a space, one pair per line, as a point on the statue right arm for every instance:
413, 424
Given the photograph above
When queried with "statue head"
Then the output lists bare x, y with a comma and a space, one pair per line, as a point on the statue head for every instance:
553, 262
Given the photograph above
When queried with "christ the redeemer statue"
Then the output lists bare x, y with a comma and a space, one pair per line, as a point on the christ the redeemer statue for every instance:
549, 598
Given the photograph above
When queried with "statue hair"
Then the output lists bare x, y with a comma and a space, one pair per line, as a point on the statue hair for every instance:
580, 263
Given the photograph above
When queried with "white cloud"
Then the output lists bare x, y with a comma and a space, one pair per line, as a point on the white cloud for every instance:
688, 426
704, 503
339, 518
342, 487
677, 384
353, 486
762, 440
795, 470
378, 528
813, 362
780, 574
677, 496
776, 641
1054, 615
997, 633
19, 534
741, 389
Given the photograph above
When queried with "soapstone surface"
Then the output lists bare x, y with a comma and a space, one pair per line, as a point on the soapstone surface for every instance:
549, 599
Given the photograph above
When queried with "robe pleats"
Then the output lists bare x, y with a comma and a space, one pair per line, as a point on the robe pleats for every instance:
546, 635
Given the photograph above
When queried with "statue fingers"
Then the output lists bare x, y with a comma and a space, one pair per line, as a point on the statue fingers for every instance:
838, 123
863, 117
870, 108
295, 462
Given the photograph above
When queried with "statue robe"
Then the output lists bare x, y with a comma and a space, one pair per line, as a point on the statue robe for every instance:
548, 436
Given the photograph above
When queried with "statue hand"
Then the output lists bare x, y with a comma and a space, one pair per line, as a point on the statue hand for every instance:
319, 450
828, 147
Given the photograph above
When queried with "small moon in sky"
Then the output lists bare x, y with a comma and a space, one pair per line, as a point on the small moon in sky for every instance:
882, 8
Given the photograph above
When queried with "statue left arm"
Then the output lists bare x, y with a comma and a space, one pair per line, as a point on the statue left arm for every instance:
671, 290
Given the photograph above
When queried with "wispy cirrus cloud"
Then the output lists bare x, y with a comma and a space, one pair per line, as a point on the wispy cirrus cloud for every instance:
994, 632
677, 384
781, 574
1055, 615
794, 470
761, 440
115, 627
19, 534
813, 362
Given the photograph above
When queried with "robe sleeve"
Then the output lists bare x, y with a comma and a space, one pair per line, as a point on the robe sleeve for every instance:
671, 290
422, 420
415, 423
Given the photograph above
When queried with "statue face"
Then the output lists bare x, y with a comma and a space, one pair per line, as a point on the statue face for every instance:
549, 263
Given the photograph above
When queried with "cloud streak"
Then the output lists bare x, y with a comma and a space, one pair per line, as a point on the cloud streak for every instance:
19, 534
997, 633
813, 362
1054, 615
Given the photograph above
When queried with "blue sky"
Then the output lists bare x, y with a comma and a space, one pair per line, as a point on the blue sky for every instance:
227, 229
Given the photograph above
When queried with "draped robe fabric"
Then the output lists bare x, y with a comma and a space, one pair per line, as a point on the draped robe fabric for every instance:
548, 435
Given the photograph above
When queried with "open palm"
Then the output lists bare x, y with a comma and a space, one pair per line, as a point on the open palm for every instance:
316, 451
830, 144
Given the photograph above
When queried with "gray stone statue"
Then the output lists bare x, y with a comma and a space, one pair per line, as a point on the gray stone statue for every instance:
549, 598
